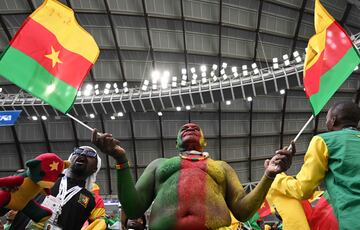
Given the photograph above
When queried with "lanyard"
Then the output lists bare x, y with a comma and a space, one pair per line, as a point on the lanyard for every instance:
65, 195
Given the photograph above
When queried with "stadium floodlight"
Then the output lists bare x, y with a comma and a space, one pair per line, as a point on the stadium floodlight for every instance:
297, 56
244, 70
155, 76
203, 68
286, 60
275, 63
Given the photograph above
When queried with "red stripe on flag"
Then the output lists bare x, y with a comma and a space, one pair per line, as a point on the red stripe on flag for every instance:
265, 209
192, 195
36, 41
336, 45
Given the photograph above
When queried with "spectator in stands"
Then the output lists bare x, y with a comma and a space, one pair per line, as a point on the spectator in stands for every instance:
73, 192
333, 157
190, 191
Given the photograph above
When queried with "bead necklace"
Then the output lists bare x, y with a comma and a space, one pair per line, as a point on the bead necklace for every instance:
197, 156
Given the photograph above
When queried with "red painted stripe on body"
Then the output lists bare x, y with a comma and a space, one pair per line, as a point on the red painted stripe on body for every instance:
192, 195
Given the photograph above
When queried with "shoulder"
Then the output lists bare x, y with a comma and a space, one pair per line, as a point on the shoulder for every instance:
337, 135
221, 164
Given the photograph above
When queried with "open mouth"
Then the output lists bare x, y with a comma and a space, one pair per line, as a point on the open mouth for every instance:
80, 161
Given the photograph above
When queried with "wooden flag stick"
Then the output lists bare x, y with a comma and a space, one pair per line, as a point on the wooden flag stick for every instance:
80, 122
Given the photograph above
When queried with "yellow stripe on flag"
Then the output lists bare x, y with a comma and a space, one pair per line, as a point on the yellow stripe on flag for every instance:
322, 20
60, 20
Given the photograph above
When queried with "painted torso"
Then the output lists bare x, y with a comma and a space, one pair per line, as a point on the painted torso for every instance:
189, 195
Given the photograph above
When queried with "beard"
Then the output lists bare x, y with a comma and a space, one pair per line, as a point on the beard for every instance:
79, 170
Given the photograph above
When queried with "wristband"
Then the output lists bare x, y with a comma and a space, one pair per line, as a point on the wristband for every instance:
121, 166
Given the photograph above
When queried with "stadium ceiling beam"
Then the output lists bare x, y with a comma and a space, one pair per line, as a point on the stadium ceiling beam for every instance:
146, 17
4, 27
134, 146
108, 176
219, 135
31, 5
257, 31
184, 38
346, 13
73, 126
43, 126
250, 140
18, 147
298, 25
283, 113
109, 14
220, 37
316, 125
161, 137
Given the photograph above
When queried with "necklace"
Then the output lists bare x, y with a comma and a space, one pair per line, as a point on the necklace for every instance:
198, 156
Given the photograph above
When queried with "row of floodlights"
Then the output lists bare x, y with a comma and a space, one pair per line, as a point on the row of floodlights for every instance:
164, 78
89, 88
121, 114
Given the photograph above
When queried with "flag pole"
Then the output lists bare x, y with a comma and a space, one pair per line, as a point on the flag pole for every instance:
301, 131
80, 122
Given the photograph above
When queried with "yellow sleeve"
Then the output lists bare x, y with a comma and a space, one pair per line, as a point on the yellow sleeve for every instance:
311, 174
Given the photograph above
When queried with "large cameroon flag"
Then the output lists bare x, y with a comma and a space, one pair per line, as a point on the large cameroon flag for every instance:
50, 55
330, 59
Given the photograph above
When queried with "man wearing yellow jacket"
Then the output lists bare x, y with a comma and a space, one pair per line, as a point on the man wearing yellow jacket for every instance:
335, 158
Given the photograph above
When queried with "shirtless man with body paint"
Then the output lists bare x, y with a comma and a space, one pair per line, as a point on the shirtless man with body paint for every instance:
190, 191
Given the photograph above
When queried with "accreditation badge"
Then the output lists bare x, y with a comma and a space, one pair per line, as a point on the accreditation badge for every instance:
54, 204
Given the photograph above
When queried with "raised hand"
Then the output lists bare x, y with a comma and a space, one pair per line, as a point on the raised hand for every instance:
108, 145
280, 162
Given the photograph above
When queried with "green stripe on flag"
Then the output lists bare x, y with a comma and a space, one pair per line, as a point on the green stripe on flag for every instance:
26, 73
333, 79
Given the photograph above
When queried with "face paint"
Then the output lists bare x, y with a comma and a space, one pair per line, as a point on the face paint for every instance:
187, 130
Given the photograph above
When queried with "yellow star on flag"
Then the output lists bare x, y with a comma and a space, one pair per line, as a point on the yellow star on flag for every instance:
54, 166
54, 57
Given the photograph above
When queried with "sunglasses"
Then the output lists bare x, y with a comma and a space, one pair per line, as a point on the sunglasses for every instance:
84, 152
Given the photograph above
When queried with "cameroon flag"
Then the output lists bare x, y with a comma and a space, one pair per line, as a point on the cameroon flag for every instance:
330, 59
50, 55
